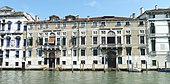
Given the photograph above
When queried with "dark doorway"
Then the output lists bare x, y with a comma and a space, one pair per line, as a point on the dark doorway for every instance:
52, 59
111, 58
23, 65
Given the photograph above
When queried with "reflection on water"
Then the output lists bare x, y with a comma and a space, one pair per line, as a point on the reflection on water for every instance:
86, 77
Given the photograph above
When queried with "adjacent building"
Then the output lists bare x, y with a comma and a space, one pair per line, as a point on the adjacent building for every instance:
158, 39
13, 30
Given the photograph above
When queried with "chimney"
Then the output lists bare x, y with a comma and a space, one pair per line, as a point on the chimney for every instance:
36, 18
88, 17
142, 10
133, 15
156, 7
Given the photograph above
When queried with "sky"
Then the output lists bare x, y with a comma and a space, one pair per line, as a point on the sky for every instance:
83, 8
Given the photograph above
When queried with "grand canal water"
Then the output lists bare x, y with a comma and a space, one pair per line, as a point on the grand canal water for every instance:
85, 77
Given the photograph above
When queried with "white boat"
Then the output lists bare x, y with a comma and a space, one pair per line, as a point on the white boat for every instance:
135, 69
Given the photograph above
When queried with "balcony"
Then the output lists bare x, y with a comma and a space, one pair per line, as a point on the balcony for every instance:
159, 35
110, 45
50, 47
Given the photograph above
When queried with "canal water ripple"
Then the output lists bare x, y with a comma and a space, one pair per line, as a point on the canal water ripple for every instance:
84, 77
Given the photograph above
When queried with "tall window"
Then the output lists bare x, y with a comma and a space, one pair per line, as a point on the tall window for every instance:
18, 25
1, 53
152, 28
127, 23
142, 51
40, 52
7, 53
29, 53
25, 28
82, 24
74, 52
17, 54
40, 40
30, 41
74, 41
24, 54
64, 25
9, 25
8, 41
18, 42
64, 52
64, 41
128, 51
119, 60
2, 42
141, 23
94, 52
83, 40
119, 40
142, 40
128, 39
103, 23
82, 52
58, 26
58, 41
94, 40
103, 40
153, 62
94, 24
153, 45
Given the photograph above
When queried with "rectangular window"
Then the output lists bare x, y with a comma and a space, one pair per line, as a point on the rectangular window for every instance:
64, 62
74, 52
64, 25
74, 25
46, 26
29, 62
1, 53
141, 23
129, 62
17, 54
82, 52
2, 42
6, 63
118, 23
94, 24
127, 23
58, 41
95, 62
119, 60
74, 41
94, 40
30, 53
82, 24
142, 40
8, 43
128, 51
153, 62
40, 52
64, 41
82, 40
103, 40
25, 28
31, 26
82, 61
143, 62
18, 43
9, 25
19, 26
74, 62
16, 63
119, 40
58, 26
64, 52
153, 45
152, 28
128, 39
45, 61
94, 52
39, 62
24, 42
24, 54
7, 53
142, 51
40, 40
103, 24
